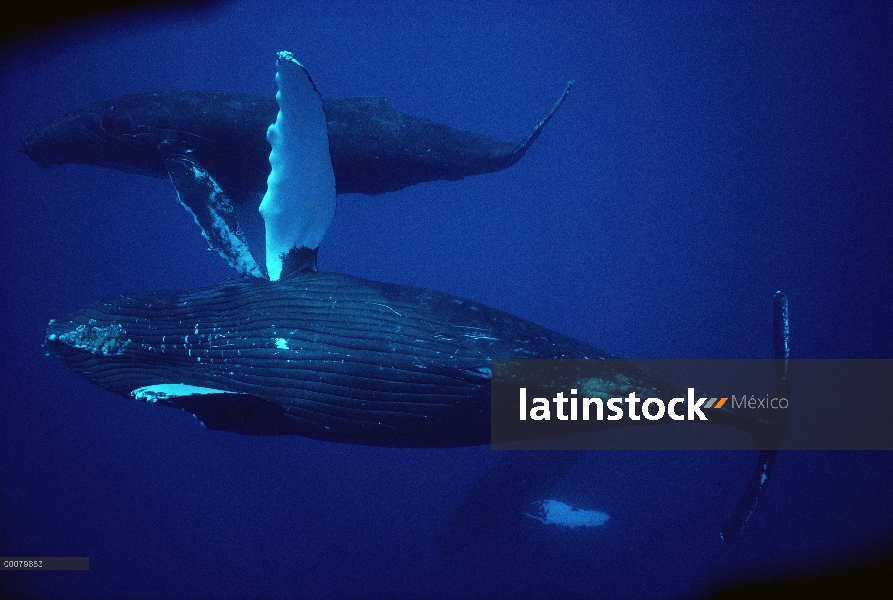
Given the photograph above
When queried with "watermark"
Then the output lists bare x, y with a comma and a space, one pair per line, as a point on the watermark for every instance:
605, 404
653, 409
43, 563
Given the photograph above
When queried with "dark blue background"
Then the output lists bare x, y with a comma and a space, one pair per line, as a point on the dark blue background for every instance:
706, 157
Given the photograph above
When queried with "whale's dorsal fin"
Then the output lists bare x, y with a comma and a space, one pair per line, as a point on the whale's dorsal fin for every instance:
209, 205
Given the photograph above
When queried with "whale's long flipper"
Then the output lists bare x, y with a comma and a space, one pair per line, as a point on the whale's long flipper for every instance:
300, 200
210, 207
766, 461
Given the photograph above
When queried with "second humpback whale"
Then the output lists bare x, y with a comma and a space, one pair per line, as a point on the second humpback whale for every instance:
290, 350
374, 147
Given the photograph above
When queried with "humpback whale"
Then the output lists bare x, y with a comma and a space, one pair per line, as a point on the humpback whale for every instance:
289, 350
323, 355
374, 147
328, 356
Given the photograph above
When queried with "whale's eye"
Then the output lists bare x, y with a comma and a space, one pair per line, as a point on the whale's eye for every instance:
115, 124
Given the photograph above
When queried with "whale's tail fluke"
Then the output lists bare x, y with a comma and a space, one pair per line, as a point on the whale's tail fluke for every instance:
519, 149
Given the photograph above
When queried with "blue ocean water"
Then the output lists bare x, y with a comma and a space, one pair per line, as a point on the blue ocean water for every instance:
706, 157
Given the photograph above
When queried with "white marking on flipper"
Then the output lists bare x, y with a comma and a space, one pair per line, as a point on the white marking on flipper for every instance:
300, 200
164, 391
210, 207
553, 512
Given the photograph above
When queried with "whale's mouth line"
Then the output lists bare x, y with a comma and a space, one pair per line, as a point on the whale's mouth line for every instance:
78, 134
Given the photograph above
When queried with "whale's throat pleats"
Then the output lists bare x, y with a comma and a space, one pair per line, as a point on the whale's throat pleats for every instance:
300, 200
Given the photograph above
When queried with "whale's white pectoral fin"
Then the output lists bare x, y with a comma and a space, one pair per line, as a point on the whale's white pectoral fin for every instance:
209, 206
166, 391
300, 200
553, 512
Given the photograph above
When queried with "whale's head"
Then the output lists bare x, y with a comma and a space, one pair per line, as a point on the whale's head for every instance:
102, 134
94, 345
79, 338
